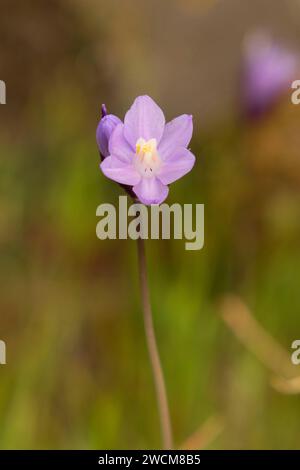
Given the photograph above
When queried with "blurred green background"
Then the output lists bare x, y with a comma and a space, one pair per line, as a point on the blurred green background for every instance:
77, 373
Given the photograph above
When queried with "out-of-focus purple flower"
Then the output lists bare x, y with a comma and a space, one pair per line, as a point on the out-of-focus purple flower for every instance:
268, 71
106, 126
147, 154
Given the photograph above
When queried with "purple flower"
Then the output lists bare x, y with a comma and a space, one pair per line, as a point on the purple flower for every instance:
268, 72
144, 152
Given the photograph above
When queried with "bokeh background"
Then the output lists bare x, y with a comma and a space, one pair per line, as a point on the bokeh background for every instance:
77, 373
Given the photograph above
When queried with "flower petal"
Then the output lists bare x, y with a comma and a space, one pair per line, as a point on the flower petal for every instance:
151, 191
181, 163
118, 145
119, 171
144, 119
178, 133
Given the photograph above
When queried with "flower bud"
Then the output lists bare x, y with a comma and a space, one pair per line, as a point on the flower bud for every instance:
104, 130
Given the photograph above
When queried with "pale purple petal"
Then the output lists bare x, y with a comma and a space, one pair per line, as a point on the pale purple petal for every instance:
119, 171
118, 145
181, 163
151, 191
177, 133
144, 119
104, 130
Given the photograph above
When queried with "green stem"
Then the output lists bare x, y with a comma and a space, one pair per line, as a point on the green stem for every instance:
161, 394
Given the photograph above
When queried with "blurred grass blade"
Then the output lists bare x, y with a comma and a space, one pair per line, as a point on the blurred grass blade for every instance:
205, 435
255, 338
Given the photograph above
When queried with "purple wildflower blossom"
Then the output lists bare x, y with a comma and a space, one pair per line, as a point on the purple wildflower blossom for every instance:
268, 72
144, 152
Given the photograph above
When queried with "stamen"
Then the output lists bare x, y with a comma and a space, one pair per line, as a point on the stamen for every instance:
147, 159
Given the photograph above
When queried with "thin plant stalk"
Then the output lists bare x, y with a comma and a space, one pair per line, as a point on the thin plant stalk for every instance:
160, 387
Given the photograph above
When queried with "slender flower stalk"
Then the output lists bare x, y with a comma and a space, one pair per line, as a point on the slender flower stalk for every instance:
144, 154
158, 375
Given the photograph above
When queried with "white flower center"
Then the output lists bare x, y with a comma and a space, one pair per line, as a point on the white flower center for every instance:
147, 160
